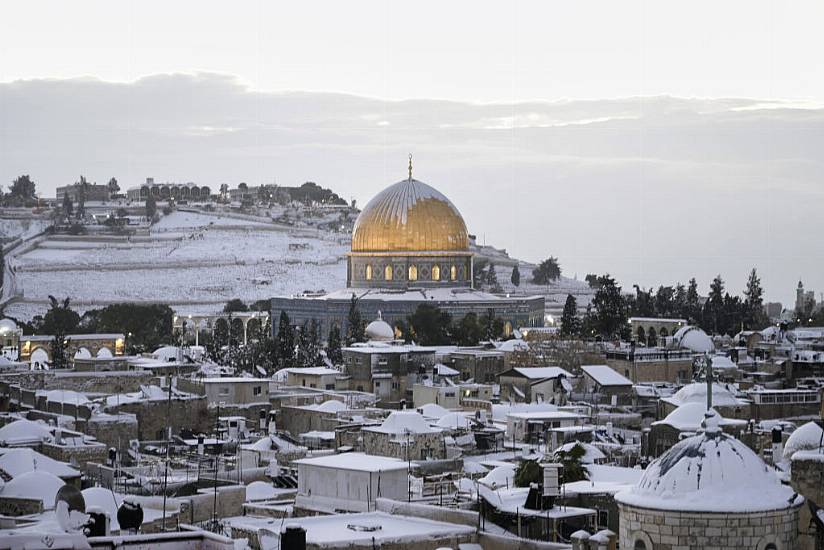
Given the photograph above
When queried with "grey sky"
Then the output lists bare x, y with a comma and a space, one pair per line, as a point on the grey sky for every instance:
653, 189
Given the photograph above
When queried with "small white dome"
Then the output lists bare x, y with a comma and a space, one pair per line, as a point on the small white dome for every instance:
379, 330
7, 325
805, 438
693, 339
38, 484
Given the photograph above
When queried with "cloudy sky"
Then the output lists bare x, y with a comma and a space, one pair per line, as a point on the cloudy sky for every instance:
654, 140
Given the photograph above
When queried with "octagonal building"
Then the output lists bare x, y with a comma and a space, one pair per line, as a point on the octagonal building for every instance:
709, 491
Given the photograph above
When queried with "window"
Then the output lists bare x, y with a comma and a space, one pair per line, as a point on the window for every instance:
387, 273
639, 545
603, 518
256, 390
453, 273
413, 272
368, 272
223, 391
436, 273
330, 386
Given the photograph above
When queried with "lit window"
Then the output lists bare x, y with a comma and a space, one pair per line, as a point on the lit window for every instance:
436, 273
368, 272
387, 273
453, 273
413, 273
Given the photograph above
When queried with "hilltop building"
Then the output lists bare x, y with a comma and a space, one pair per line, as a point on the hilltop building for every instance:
410, 246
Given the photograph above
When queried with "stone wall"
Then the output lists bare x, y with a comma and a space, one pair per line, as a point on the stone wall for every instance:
17, 506
673, 530
421, 445
79, 456
113, 432
153, 416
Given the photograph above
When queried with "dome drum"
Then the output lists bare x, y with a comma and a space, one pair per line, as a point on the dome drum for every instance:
413, 270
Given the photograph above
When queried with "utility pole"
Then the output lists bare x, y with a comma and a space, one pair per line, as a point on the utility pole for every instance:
168, 445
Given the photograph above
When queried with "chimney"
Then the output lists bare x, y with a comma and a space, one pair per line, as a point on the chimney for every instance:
777, 445
579, 540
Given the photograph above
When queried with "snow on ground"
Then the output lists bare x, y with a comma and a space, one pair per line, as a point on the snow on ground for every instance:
194, 267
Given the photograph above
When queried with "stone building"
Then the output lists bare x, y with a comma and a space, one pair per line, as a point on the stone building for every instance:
709, 491
404, 435
535, 384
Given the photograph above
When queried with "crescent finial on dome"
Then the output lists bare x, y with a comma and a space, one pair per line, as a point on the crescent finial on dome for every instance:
410, 166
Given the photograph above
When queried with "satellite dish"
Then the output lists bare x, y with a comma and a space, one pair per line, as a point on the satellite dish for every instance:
130, 515
70, 508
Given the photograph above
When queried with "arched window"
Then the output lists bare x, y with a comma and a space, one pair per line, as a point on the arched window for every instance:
368, 272
639, 545
436, 273
453, 273
413, 272
387, 273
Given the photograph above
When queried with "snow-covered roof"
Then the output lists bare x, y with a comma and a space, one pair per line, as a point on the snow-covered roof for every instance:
330, 406
312, 371
689, 416
260, 490
723, 362
19, 460
454, 421
442, 370
605, 375
355, 461
24, 431
501, 410
432, 410
364, 529
693, 339
64, 396
513, 345
403, 422
804, 438
500, 476
697, 392
710, 472
36, 485
592, 454
541, 373
544, 415
604, 479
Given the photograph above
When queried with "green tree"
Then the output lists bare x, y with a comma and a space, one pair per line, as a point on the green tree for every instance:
547, 271
22, 190
665, 301
146, 326
60, 317
515, 278
493, 327
285, 341
468, 330
679, 301
151, 207
609, 308
693, 307
355, 327
59, 321
430, 325
644, 305
570, 324
235, 305
479, 266
492, 279
528, 471
82, 193
68, 207
714, 307
333, 345
573, 468
754, 316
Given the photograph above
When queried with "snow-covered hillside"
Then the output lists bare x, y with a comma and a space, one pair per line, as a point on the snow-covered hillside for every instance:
195, 262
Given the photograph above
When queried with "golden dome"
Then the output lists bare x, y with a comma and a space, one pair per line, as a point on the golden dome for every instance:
409, 216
